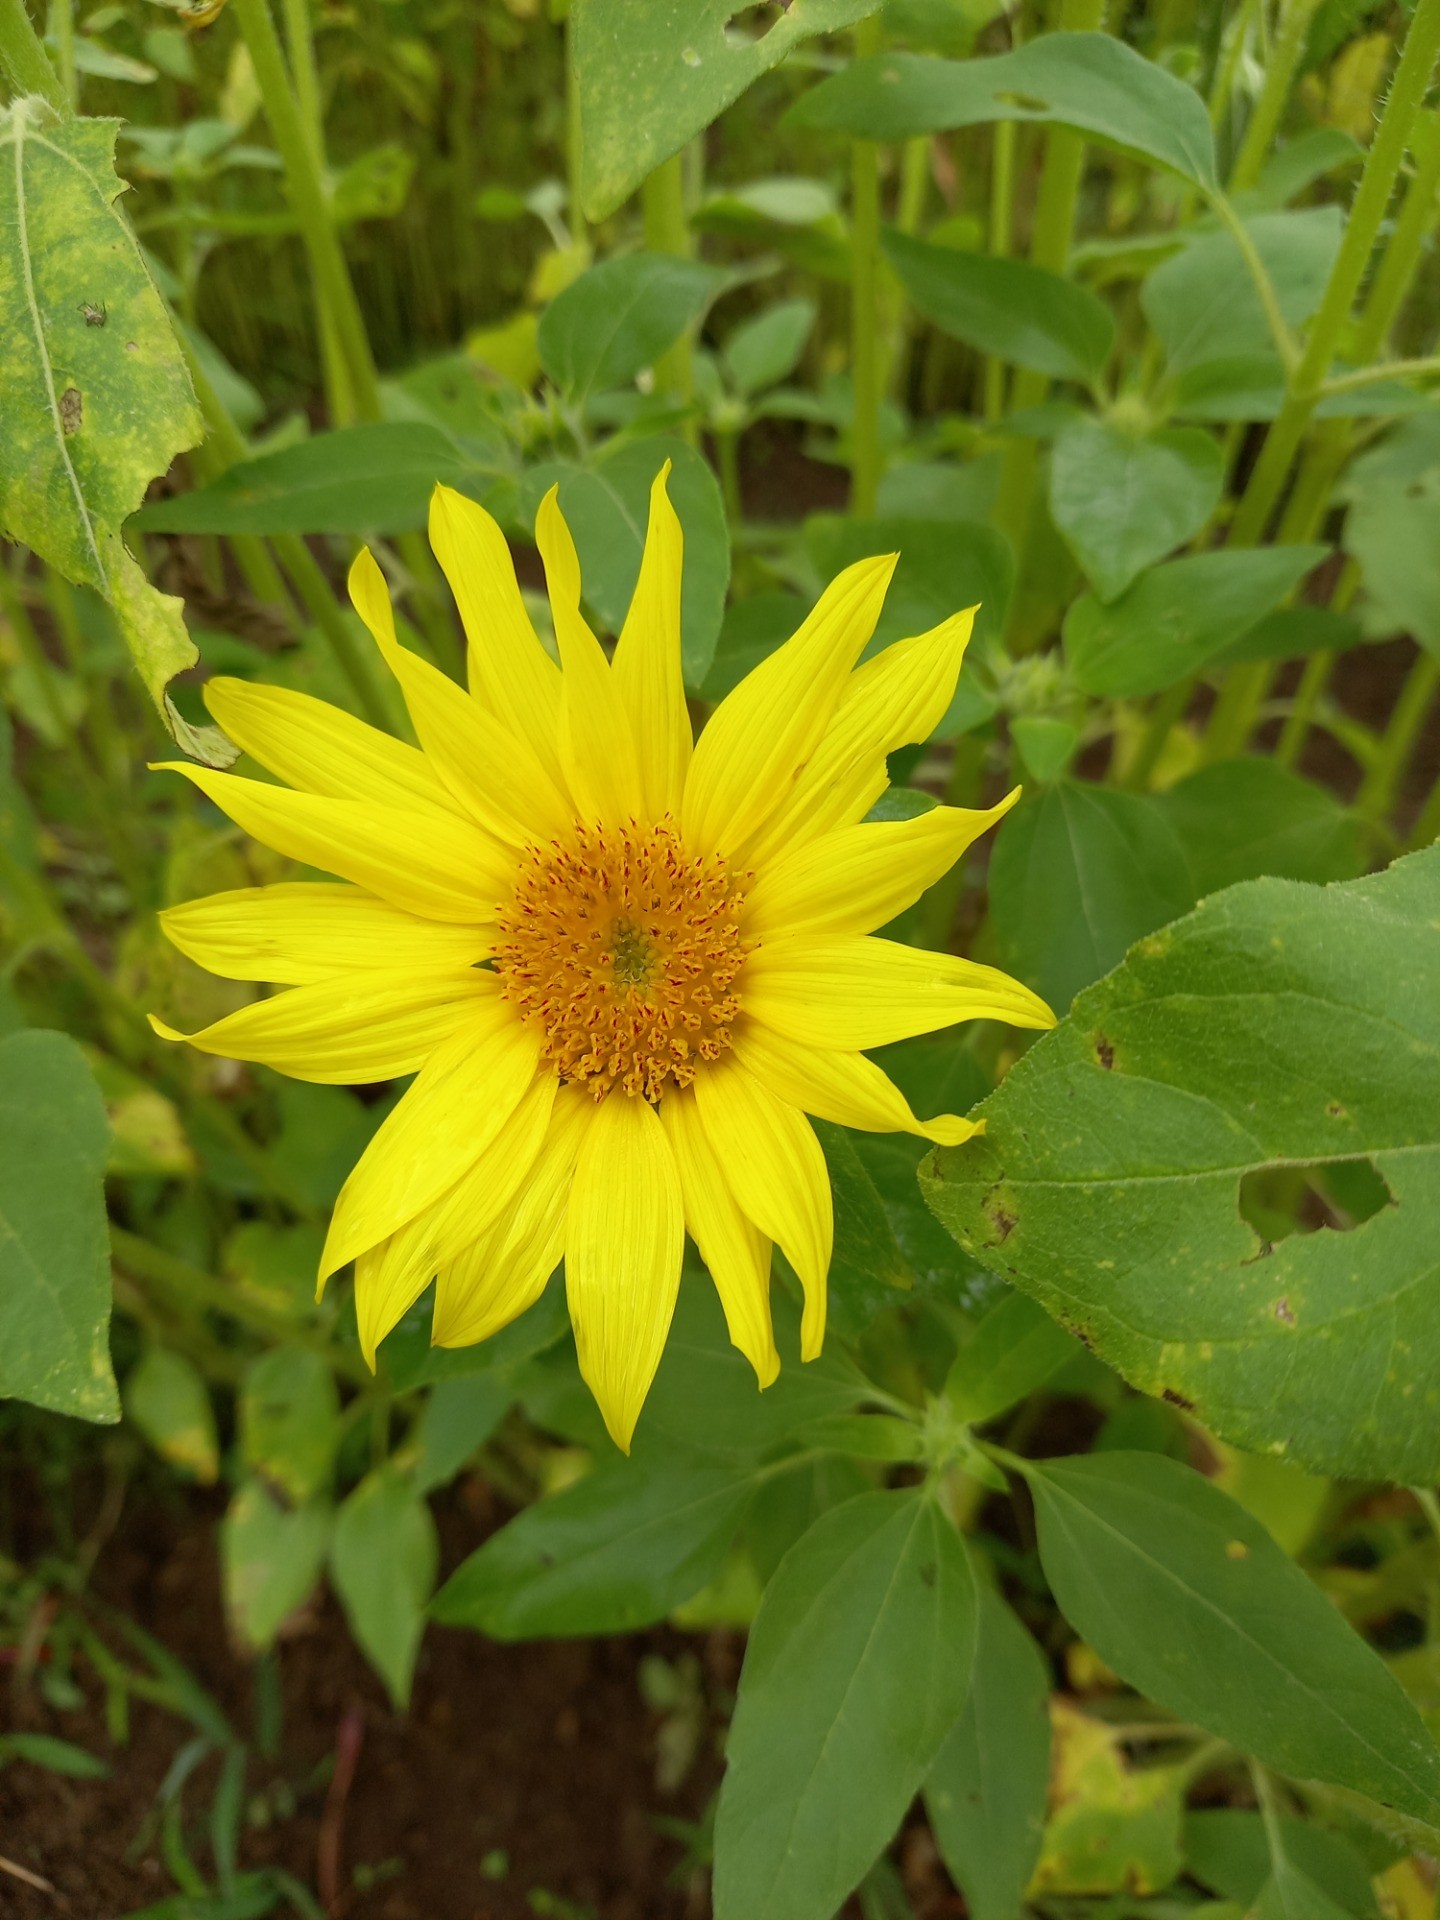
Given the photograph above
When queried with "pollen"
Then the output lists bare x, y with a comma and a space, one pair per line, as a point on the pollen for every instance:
623, 949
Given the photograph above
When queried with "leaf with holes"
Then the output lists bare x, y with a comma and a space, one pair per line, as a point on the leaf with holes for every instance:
653, 73
1089, 81
1280, 1027
97, 399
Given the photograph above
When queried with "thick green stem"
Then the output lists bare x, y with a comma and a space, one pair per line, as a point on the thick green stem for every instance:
866, 377
62, 31
1002, 213
1168, 710
1397, 743
1279, 74
1313, 682
334, 292
23, 59
662, 199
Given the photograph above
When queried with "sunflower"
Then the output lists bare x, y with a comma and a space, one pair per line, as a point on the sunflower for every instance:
622, 964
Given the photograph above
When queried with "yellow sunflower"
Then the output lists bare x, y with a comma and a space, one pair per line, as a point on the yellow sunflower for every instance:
622, 964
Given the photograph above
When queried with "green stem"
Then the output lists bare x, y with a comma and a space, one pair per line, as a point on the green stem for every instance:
1427, 828
662, 200
1279, 74
1280, 333
334, 292
1167, 712
300, 42
23, 59
867, 381
727, 454
62, 28
574, 139
1386, 370
1002, 213
1397, 743
1313, 682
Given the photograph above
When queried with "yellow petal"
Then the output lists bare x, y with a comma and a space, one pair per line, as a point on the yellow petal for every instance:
391, 1277
510, 672
461, 1098
623, 1242
898, 697
301, 931
763, 732
320, 749
439, 868
647, 666
852, 994
734, 1250
771, 1161
504, 1272
373, 1026
856, 878
843, 1087
597, 746
493, 774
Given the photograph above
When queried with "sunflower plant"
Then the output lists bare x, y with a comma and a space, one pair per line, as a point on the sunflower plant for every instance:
790, 1001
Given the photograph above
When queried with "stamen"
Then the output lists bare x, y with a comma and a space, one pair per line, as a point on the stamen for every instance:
623, 950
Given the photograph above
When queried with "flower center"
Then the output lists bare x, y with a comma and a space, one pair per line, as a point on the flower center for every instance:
623, 950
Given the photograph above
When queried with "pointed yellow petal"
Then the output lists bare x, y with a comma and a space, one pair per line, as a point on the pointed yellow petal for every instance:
856, 878
647, 666
301, 931
734, 1250
763, 732
597, 746
320, 749
510, 672
898, 697
843, 1087
461, 1098
771, 1161
391, 1277
623, 1242
374, 1026
439, 868
504, 1272
492, 774
852, 994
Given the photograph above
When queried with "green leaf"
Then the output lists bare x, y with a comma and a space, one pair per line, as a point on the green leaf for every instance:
767, 349
167, 1399
290, 1421
459, 1416
653, 73
56, 1756
1191, 1602
270, 1560
1078, 873
368, 479
1024, 314
986, 1792
868, 1271
1015, 1348
1089, 81
1278, 1026
1240, 819
1226, 1850
1291, 632
383, 1558
54, 1259
1178, 617
1290, 1894
411, 1361
1122, 501
97, 398
607, 508
1202, 302
857, 1667
616, 1551
1393, 531
618, 318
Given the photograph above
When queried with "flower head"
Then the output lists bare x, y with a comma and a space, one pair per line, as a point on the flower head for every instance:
623, 965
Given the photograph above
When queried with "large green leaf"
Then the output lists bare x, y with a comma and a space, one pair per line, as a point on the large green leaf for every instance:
1202, 302
607, 507
1240, 819
1080, 872
1278, 1026
1189, 1599
653, 73
619, 317
1124, 500
97, 399
54, 1262
1089, 81
383, 1556
1179, 616
616, 1551
1023, 314
857, 1667
368, 479
986, 1792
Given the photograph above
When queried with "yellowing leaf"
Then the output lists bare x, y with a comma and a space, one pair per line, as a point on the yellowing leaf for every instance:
1112, 1829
